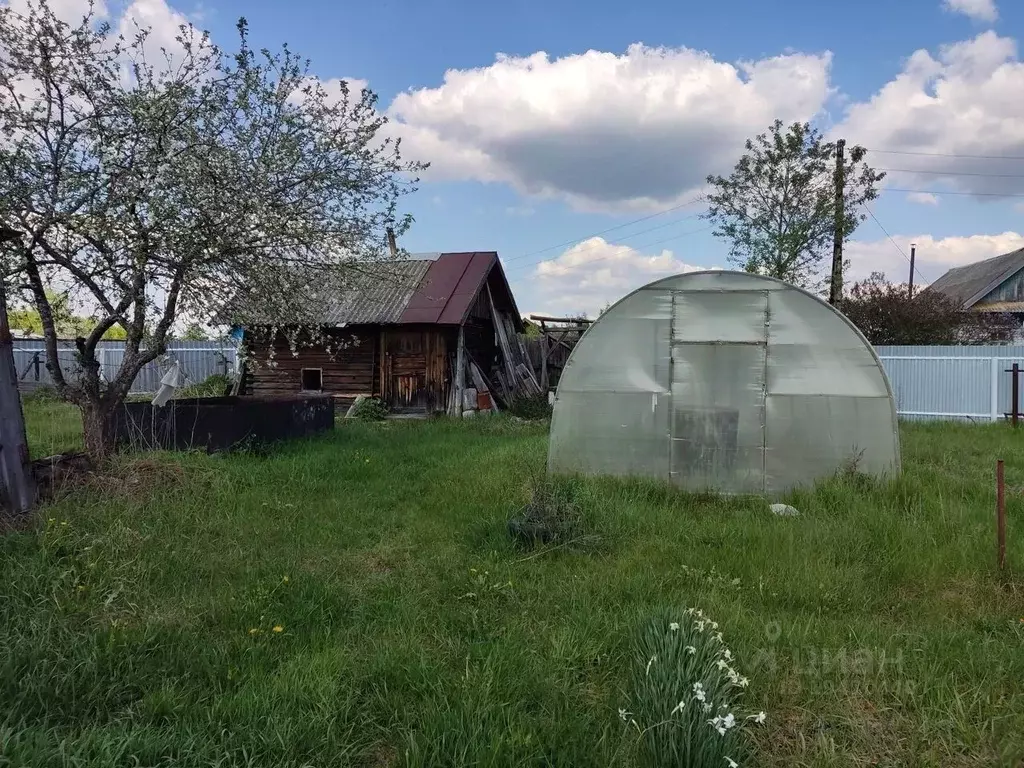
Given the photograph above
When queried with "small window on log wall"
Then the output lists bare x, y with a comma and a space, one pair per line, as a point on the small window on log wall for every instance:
312, 379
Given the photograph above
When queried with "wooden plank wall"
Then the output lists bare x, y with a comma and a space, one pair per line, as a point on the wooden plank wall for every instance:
348, 369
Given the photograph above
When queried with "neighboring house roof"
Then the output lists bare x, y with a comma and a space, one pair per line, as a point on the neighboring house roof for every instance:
969, 285
440, 290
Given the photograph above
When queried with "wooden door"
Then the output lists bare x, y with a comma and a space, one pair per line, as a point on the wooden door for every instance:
406, 370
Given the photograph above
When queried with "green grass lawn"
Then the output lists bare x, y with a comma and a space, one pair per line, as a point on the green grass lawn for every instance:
138, 614
53, 427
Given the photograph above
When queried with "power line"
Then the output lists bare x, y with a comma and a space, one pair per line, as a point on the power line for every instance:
605, 231
953, 173
945, 154
891, 240
951, 192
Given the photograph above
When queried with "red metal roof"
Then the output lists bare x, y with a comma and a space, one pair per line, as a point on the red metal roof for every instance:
451, 285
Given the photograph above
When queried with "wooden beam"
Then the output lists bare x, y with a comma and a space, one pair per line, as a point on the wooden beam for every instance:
503, 342
460, 371
568, 320
544, 363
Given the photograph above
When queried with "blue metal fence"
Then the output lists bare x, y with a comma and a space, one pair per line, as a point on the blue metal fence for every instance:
198, 360
961, 383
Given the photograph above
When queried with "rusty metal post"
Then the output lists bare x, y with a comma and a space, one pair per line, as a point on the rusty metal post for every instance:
1000, 515
1014, 393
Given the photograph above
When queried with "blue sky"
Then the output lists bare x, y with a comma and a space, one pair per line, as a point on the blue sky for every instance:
529, 156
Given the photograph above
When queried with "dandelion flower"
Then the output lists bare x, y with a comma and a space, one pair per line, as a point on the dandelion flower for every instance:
674, 626
732, 763
278, 628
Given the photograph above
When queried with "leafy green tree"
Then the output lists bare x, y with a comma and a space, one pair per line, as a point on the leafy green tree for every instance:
68, 325
194, 332
165, 185
777, 208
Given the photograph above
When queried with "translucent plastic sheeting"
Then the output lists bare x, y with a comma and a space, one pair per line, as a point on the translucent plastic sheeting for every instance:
723, 381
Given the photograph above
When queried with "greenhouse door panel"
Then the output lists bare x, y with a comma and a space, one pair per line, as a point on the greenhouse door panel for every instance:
718, 392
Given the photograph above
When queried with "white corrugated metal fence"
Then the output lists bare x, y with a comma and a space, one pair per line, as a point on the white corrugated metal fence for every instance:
962, 383
198, 359
965, 383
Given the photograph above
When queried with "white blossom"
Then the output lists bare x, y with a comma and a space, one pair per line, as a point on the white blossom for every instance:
674, 626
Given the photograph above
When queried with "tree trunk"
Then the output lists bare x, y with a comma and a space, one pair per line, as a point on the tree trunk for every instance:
98, 428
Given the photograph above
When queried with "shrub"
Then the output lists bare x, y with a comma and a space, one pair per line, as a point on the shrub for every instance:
685, 693
551, 516
369, 409
41, 394
215, 385
530, 407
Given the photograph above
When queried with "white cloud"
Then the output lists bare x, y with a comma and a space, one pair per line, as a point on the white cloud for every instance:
70, 11
605, 131
978, 10
964, 101
594, 273
164, 24
933, 257
923, 198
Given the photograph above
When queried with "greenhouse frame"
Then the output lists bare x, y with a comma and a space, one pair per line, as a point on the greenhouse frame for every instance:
724, 381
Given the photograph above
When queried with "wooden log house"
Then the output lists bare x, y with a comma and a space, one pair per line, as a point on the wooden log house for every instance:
415, 333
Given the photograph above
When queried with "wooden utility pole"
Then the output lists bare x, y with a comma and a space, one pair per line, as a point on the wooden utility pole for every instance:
910, 285
15, 478
835, 291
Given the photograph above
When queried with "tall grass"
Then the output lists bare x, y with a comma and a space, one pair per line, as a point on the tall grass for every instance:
138, 616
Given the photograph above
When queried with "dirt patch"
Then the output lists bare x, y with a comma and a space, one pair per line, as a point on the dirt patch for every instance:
381, 756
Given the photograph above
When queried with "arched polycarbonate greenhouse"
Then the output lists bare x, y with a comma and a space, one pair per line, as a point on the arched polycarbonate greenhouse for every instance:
724, 381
